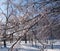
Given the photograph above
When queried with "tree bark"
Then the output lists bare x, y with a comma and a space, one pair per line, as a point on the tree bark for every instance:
4, 43
25, 38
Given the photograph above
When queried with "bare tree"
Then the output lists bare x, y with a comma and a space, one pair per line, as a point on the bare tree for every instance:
22, 18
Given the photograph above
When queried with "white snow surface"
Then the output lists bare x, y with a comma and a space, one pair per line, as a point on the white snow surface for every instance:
21, 46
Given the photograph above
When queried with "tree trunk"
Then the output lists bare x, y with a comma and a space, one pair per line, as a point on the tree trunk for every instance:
25, 38
4, 43
52, 46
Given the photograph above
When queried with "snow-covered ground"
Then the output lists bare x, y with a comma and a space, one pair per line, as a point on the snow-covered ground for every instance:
21, 46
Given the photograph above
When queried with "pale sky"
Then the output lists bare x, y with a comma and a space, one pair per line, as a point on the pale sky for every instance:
3, 6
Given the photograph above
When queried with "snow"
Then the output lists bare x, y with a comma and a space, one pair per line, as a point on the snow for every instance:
52, 49
25, 47
3, 49
21, 46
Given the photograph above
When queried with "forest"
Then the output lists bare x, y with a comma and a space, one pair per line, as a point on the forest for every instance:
30, 21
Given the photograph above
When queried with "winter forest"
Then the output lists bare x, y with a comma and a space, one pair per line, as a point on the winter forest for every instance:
29, 25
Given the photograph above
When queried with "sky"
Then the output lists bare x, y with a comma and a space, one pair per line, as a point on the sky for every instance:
21, 2
3, 7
